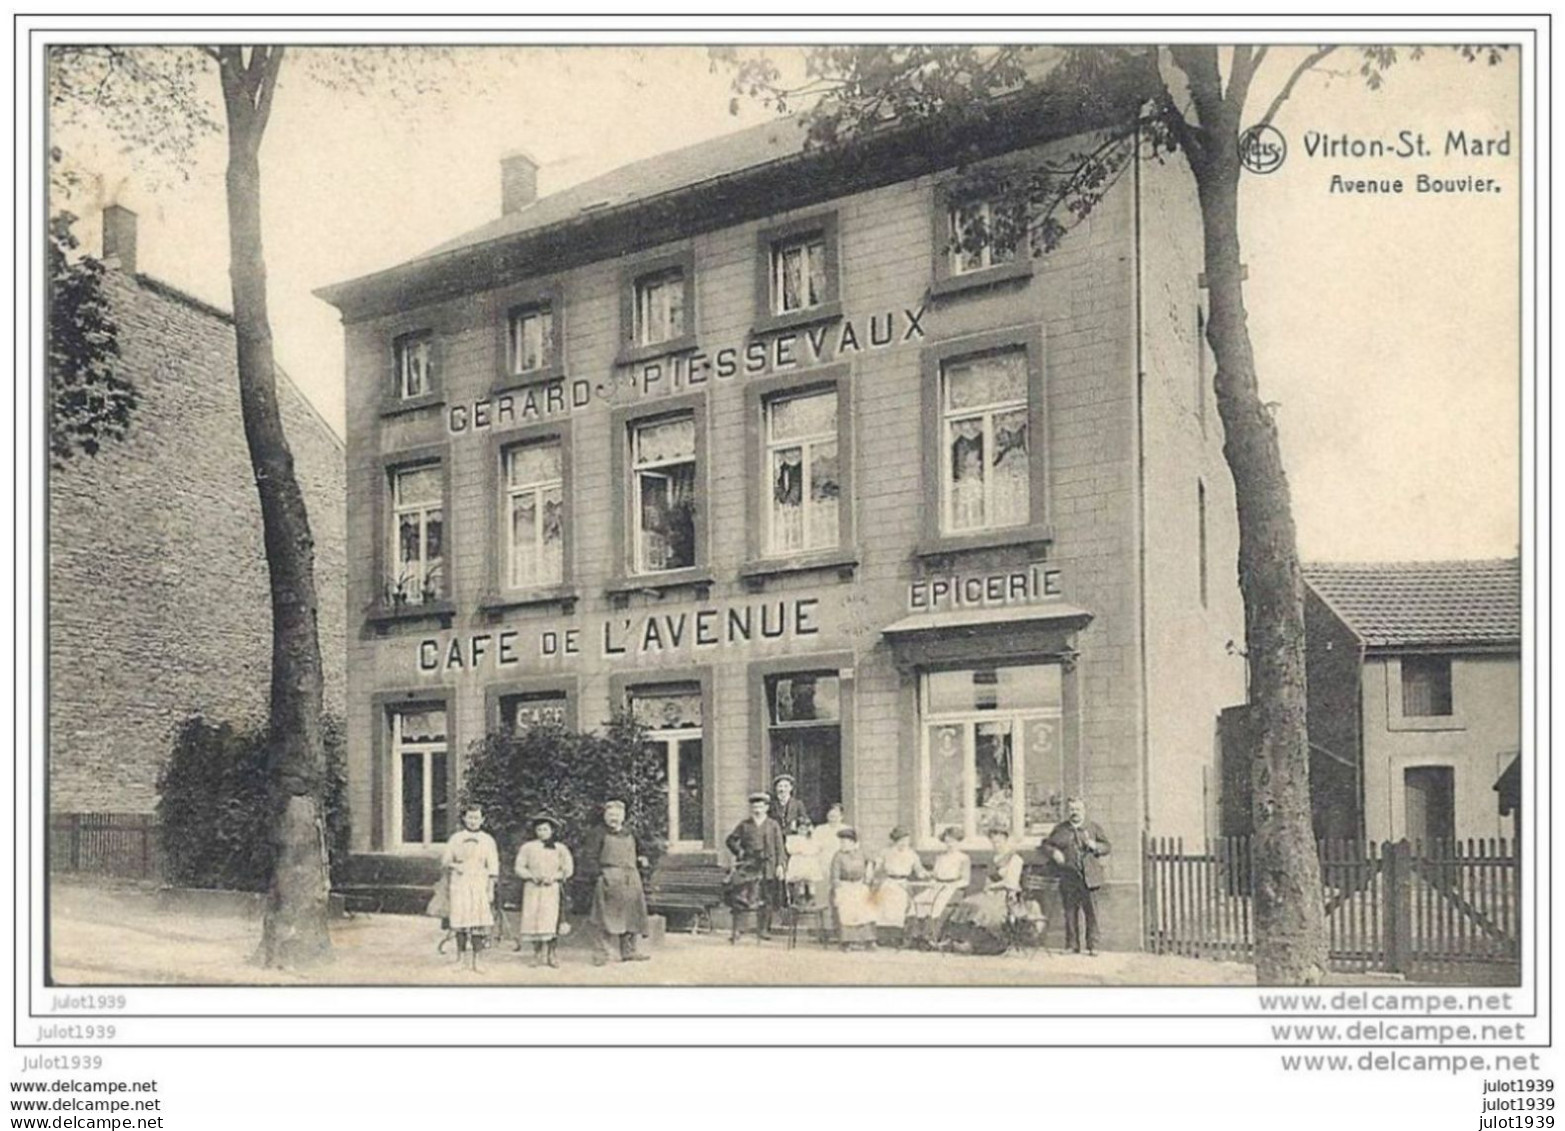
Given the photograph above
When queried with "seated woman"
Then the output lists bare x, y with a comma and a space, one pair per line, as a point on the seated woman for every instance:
953, 872
893, 878
850, 898
980, 924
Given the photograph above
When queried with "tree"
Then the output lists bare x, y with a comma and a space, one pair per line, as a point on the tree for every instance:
90, 401
159, 99
1183, 102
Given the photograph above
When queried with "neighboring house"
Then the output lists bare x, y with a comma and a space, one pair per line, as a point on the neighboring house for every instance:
739, 439
1415, 697
159, 603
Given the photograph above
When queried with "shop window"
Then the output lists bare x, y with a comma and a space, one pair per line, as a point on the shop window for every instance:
672, 718
803, 488
1426, 686
660, 307
542, 708
413, 356
417, 535
534, 509
531, 339
420, 781
663, 493
985, 468
804, 736
992, 750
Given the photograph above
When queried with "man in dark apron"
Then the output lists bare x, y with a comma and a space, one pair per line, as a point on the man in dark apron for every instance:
611, 862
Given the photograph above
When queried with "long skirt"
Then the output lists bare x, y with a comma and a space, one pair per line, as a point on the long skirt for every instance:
978, 923
892, 903
470, 906
931, 902
619, 906
540, 918
855, 911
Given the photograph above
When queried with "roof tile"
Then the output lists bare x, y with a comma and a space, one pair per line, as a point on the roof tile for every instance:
1407, 604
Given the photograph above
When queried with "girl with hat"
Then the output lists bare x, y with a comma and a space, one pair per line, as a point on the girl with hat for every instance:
899, 867
850, 897
544, 866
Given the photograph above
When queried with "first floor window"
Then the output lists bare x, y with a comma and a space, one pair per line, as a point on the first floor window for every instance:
804, 485
532, 338
804, 735
541, 708
992, 750
417, 530
660, 307
419, 776
985, 468
984, 234
1426, 686
663, 488
535, 514
799, 273
671, 716
415, 374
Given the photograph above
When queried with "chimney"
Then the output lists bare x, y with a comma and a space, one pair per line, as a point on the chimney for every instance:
518, 181
119, 237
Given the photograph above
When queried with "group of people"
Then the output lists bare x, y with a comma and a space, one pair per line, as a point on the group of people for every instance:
781, 860
611, 863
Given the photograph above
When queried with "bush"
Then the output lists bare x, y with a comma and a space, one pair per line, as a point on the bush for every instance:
549, 769
216, 801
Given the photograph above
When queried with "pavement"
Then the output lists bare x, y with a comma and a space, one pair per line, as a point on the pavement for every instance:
104, 935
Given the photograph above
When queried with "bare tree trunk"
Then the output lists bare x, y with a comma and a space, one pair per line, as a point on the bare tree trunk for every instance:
294, 931
1289, 911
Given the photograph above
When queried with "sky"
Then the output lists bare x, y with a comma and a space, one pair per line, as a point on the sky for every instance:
1385, 326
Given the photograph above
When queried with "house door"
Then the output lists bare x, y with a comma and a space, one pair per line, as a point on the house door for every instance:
1430, 800
813, 755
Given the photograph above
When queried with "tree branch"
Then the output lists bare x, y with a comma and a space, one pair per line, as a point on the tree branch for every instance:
1298, 72
1246, 63
274, 63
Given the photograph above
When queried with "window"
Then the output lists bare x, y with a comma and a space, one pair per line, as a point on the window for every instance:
420, 782
541, 708
531, 339
660, 307
804, 736
534, 509
985, 479
803, 487
417, 534
671, 716
414, 356
663, 487
983, 235
799, 273
993, 750
1426, 686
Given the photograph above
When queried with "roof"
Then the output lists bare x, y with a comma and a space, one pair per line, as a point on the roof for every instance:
1420, 604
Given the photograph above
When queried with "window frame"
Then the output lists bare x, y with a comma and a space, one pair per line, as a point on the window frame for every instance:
385, 804
383, 514
549, 293
1396, 719
499, 594
623, 685
948, 196
768, 318
626, 520
632, 349
495, 695
759, 394
397, 332
1035, 531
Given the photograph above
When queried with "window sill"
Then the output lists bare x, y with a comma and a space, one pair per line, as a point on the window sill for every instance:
515, 382
795, 319
658, 583
383, 616
496, 604
756, 573
1037, 535
977, 280
631, 355
412, 404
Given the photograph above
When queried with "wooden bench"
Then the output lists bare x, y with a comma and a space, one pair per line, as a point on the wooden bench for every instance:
696, 891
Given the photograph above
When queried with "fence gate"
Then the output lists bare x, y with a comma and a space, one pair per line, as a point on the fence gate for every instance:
113, 844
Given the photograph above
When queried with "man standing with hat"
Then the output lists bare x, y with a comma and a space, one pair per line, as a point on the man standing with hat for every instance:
611, 863
760, 863
1075, 844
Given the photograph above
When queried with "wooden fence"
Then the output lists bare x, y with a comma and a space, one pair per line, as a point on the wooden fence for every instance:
1443, 909
112, 844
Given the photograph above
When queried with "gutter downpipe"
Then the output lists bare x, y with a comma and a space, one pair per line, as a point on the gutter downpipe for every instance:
1141, 509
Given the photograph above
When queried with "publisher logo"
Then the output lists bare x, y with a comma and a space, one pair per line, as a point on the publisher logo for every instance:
1262, 149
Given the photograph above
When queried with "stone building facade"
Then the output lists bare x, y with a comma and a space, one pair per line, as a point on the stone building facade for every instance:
740, 439
159, 605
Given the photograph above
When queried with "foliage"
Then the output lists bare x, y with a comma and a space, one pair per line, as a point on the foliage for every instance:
545, 768
217, 798
90, 402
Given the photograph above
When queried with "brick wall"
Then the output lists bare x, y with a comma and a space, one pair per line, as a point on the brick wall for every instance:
158, 598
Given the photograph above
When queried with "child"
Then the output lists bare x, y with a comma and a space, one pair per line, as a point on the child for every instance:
804, 865
472, 864
544, 866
